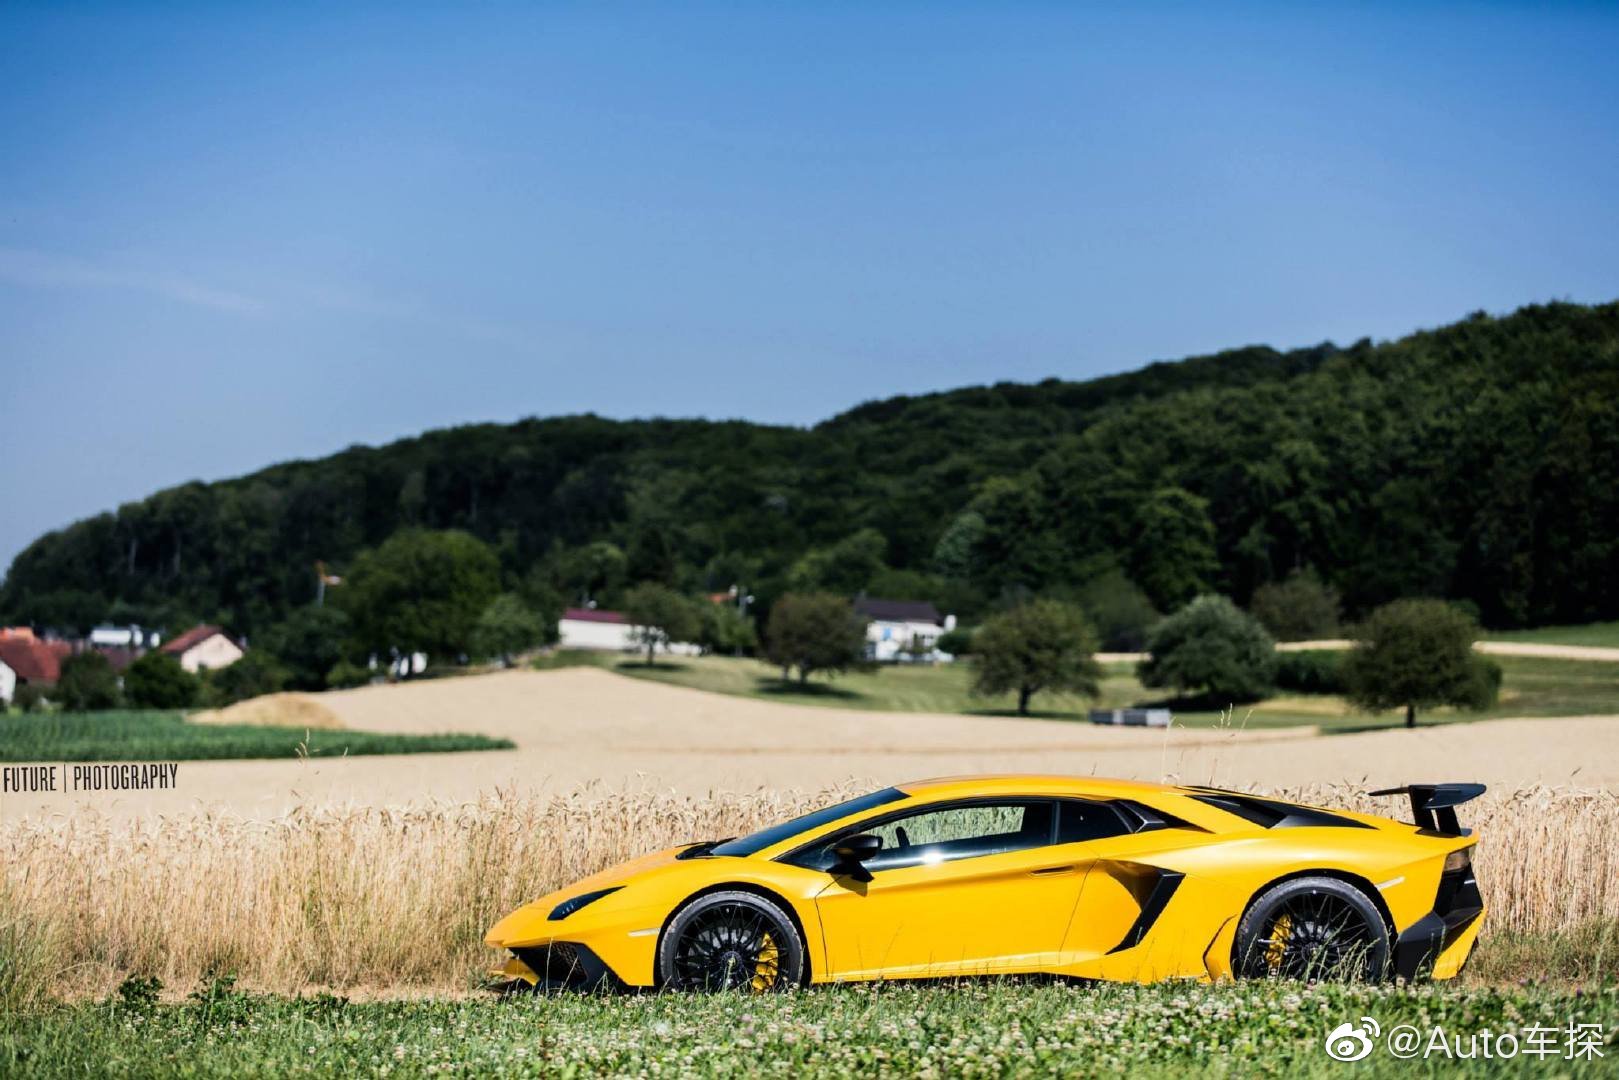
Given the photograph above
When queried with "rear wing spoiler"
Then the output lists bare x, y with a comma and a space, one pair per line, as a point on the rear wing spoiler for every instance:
1434, 805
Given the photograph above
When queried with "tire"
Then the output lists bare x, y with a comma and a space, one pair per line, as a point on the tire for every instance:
1315, 928
731, 941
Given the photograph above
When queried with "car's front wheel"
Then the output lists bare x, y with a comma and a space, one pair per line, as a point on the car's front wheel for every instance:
731, 941
1312, 928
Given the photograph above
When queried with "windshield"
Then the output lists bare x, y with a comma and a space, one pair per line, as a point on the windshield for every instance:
754, 842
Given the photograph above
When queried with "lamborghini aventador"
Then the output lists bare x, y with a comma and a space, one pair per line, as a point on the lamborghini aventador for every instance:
1099, 879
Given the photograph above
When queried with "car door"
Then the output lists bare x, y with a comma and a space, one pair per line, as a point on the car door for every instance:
966, 887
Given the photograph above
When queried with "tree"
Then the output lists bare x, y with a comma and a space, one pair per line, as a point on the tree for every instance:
308, 643
660, 616
157, 681
87, 682
507, 626
1418, 654
257, 673
421, 591
1172, 554
1039, 645
726, 630
1120, 611
814, 632
1300, 608
1213, 646
847, 566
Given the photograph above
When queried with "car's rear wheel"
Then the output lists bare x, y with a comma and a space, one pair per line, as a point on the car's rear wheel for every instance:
1312, 928
731, 941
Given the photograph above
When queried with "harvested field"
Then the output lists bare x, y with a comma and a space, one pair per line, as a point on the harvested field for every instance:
585, 726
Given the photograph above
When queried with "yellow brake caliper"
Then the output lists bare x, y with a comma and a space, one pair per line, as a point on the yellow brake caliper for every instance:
1280, 931
764, 972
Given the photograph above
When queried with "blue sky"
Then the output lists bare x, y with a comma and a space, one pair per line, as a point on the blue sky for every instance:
230, 235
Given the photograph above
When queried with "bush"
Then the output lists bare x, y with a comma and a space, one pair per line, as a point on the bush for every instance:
1312, 671
255, 674
345, 674
87, 683
28, 698
1041, 645
1120, 611
957, 642
724, 629
1417, 654
1213, 646
157, 681
1301, 608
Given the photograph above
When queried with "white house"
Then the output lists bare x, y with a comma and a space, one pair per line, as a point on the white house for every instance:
893, 625
595, 628
8, 683
204, 647
598, 628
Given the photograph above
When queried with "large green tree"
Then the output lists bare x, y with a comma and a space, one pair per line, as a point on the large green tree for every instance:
1213, 647
507, 626
814, 632
1172, 553
1418, 654
421, 591
1039, 645
308, 643
661, 616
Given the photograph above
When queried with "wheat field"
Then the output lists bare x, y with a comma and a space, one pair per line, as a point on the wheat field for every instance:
390, 901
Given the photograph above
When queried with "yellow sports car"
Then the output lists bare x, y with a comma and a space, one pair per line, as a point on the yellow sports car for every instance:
1100, 879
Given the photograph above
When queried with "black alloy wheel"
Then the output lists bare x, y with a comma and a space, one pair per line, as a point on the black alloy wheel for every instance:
1313, 928
731, 941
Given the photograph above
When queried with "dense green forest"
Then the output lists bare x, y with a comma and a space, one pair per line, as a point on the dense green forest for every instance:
1478, 462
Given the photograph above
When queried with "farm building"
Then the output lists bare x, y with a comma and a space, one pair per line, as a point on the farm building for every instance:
204, 647
27, 661
892, 625
594, 628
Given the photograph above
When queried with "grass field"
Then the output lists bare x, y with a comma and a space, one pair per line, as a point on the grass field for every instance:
166, 736
966, 1030
1605, 634
1531, 687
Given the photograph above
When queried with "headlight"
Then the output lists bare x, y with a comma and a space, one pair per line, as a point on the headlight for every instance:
1459, 860
574, 903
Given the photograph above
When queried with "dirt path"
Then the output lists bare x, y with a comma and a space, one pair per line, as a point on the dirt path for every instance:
585, 726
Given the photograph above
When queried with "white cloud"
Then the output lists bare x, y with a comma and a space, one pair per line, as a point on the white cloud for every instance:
41, 270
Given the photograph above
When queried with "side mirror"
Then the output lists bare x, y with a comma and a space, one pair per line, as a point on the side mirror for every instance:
853, 851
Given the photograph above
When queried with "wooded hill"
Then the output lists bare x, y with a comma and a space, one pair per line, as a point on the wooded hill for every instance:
1478, 462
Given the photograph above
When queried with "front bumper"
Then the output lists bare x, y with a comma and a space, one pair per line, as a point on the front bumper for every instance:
561, 965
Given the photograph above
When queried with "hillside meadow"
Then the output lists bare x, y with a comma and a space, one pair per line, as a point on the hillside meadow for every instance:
1531, 686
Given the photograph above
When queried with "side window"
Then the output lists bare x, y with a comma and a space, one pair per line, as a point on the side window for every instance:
947, 833
1079, 821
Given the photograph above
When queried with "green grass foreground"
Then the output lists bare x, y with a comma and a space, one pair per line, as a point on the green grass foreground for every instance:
1532, 686
167, 736
968, 1030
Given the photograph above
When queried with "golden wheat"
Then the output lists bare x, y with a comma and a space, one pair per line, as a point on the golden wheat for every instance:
350, 897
